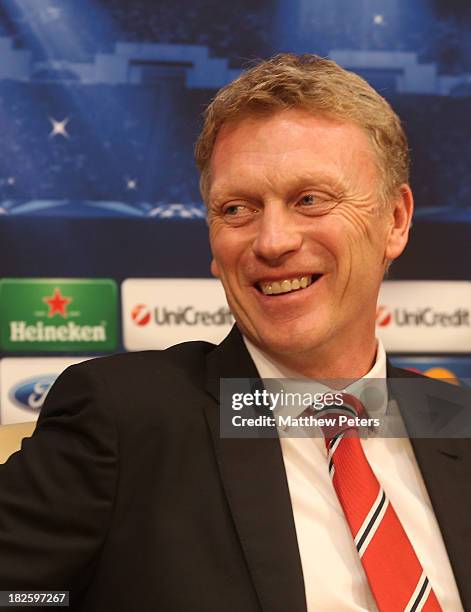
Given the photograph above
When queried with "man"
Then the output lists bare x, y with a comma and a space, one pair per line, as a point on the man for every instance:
128, 496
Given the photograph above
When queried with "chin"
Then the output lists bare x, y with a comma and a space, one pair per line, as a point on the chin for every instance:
290, 342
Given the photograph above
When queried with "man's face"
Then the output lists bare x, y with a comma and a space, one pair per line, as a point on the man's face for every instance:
294, 200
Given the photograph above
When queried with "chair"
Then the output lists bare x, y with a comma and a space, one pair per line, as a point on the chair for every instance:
11, 437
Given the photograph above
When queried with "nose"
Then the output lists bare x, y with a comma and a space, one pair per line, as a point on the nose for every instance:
278, 235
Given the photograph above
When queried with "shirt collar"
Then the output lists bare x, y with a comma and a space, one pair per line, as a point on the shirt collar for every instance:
371, 389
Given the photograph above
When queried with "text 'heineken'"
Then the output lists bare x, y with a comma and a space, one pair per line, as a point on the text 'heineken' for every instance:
58, 315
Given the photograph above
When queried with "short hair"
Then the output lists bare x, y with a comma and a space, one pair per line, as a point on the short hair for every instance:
321, 87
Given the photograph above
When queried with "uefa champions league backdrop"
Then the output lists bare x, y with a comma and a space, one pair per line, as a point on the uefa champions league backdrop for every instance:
103, 241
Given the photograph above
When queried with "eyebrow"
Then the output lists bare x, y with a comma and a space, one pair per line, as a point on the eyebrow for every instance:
295, 184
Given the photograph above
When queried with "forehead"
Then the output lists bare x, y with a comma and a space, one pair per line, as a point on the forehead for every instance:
286, 145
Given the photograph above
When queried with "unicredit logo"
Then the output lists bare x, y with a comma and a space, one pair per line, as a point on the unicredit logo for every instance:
183, 315
140, 314
383, 316
422, 317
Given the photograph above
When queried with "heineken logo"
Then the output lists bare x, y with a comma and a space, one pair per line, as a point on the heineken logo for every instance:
57, 303
21, 332
58, 315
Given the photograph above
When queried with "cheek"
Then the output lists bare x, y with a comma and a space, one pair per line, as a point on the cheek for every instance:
230, 245
332, 242
346, 252
362, 232
226, 250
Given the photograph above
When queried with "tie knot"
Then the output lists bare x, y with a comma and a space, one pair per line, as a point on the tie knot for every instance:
342, 419
353, 405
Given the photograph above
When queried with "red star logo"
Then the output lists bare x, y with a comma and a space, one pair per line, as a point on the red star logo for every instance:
57, 304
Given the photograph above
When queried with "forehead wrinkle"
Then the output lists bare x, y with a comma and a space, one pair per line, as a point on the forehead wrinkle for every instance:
288, 181
252, 169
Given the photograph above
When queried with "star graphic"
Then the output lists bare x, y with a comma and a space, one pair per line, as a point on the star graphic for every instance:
131, 184
50, 13
57, 303
59, 128
53, 12
378, 19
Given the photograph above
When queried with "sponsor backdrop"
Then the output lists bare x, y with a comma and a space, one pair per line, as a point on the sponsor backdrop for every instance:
24, 383
160, 312
58, 315
454, 370
103, 240
425, 316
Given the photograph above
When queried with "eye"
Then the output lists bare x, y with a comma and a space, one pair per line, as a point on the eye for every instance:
315, 204
234, 209
237, 213
308, 200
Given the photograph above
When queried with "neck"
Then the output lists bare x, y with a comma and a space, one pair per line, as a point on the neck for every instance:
333, 363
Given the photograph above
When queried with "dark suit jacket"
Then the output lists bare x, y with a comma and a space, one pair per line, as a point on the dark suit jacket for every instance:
127, 496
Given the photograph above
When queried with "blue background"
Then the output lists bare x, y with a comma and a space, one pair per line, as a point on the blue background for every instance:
101, 102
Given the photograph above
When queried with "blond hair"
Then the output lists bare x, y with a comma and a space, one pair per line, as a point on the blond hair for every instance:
319, 86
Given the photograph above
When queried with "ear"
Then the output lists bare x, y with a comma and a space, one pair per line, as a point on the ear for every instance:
402, 209
214, 268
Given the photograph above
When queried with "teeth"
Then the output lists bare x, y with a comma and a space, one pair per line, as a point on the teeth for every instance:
286, 286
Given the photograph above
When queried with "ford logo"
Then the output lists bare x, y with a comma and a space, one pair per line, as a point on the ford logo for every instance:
31, 393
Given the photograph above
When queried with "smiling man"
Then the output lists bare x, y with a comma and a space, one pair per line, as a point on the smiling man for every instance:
301, 238
305, 172
136, 502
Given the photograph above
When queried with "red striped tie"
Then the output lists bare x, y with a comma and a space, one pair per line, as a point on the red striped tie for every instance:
394, 572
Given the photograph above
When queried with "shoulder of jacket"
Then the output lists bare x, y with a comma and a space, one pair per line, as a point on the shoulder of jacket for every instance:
187, 357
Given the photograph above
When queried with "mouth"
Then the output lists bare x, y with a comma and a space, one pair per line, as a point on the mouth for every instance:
289, 285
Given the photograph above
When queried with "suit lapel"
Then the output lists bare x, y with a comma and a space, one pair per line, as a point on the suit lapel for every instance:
254, 478
445, 464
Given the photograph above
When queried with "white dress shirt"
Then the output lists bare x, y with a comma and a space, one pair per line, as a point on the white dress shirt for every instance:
333, 574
